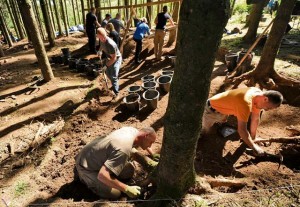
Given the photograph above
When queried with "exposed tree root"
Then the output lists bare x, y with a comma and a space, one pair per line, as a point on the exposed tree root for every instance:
287, 140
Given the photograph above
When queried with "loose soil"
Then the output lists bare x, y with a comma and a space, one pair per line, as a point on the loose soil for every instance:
47, 178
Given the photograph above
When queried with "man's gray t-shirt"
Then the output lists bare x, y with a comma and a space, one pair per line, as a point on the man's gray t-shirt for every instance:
113, 151
109, 47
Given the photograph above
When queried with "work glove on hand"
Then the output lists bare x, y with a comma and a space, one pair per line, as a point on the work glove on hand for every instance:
258, 151
156, 157
99, 53
133, 191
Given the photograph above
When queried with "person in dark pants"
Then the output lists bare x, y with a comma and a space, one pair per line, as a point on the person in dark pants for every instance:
141, 29
91, 23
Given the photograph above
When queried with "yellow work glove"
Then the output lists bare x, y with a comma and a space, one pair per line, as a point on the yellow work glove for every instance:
133, 191
156, 157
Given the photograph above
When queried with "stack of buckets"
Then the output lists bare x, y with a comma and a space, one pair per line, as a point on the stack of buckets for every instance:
148, 91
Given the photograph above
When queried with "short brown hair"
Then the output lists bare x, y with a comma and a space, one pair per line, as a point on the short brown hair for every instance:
274, 97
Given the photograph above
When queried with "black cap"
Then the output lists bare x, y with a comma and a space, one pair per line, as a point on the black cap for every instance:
107, 15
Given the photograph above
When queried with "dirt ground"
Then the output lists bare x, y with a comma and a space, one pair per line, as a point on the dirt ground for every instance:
47, 178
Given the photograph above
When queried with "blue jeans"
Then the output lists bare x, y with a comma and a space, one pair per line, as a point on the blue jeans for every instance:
112, 73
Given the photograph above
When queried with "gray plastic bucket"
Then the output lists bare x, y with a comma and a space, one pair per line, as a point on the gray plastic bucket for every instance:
164, 82
167, 72
147, 78
149, 85
134, 89
151, 96
132, 101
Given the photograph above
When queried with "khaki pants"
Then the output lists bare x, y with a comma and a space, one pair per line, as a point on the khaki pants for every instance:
209, 118
158, 42
89, 178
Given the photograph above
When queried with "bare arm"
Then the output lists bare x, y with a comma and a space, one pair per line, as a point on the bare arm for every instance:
156, 21
149, 150
112, 59
97, 23
105, 177
253, 125
171, 21
243, 132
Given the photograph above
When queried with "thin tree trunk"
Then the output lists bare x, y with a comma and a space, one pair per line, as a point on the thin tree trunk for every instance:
21, 12
267, 60
78, 15
188, 94
57, 15
126, 3
37, 41
74, 13
50, 13
98, 12
63, 14
5, 30
173, 33
12, 18
254, 19
17, 19
38, 18
66, 13
50, 32
83, 14
149, 13
1, 51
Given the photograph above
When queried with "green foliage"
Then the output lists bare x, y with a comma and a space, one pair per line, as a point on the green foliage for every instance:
241, 8
21, 188
52, 139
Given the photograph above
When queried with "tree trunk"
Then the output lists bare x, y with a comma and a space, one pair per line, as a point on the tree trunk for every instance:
149, 13
266, 63
63, 14
78, 15
189, 92
51, 17
12, 18
126, 3
74, 13
38, 18
17, 19
83, 14
173, 33
66, 13
21, 11
57, 17
37, 41
232, 7
5, 30
1, 51
50, 32
254, 19
98, 12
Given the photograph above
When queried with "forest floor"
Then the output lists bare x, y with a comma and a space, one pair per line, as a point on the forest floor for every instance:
46, 176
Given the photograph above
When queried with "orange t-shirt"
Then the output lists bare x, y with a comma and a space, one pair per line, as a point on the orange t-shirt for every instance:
237, 102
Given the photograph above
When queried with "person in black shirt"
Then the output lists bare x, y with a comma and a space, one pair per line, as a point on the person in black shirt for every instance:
91, 23
161, 21
113, 34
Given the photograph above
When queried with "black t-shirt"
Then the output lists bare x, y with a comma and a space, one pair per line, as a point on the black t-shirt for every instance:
90, 21
162, 20
116, 38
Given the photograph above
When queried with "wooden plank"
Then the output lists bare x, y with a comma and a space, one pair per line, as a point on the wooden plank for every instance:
138, 5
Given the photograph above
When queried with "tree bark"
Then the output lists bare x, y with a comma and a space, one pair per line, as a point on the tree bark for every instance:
39, 49
83, 14
74, 13
66, 13
50, 14
12, 18
98, 12
17, 19
173, 33
78, 15
254, 19
4, 29
57, 17
149, 13
63, 14
23, 14
38, 18
1, 51
189, 92
50, 32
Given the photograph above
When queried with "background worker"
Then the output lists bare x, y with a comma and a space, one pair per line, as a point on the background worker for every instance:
141, 29
113, 34
241, 103
91, 23
110, 48
102, 162
161, 21
117, 23
105, 20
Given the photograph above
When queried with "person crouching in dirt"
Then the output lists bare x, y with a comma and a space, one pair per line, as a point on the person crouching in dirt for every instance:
110, 48
241, 103
102, 163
